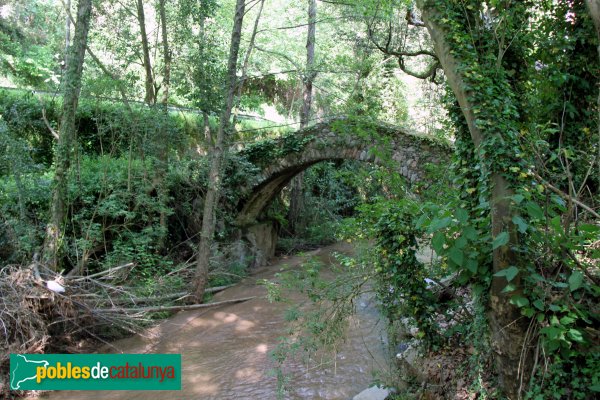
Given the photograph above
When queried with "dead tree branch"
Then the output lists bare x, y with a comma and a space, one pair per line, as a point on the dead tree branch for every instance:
172, 308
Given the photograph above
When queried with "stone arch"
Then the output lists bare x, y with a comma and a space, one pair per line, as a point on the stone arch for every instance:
337, 139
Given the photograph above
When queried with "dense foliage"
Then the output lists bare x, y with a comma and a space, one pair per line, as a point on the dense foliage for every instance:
513, 217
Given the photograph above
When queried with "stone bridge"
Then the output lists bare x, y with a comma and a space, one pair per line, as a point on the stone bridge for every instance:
280, 159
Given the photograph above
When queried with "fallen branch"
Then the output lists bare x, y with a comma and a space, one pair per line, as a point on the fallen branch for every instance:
218, 288
172, 308
178, 296
101, 273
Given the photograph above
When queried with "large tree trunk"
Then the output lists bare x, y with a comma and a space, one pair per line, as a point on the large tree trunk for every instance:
297, 193
214, 178
507, 327
594, 10
67, 136
166, 54
67, 30
163, 140
309, 75
150, 97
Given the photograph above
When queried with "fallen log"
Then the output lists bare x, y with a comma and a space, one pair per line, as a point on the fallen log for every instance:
216, 289
178, 296
171, 308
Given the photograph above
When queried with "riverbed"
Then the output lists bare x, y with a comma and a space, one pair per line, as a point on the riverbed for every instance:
226, 350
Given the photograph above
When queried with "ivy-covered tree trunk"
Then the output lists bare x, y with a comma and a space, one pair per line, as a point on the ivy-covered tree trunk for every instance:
150, 97
507, 326
67, 29
297, 192
163, 155
214, 178
594, 10
67, 132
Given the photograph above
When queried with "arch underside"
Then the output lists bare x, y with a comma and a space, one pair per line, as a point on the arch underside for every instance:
408, 154
264, 193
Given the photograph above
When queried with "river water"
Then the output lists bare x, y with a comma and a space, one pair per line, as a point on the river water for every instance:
225, 350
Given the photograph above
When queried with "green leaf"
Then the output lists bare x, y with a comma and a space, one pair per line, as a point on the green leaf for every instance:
509, 288
575, 281
566, 320
456, 255
559, 202
500, 240
540, 318
438, 224
556, 225
519, 300
471, 265
470, 233
528, 312
539, 304
595, 388
438, 242
534, 210
521, 223
421, 221
589, 228
518, 198
461, 242
554, 307
509, 273
576, 335
551, 332
461, 215
478, 289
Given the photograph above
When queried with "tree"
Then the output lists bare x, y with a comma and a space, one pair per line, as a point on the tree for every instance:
67, 134
29, 37
508, 328
67, 27
246, 62
216, 159
594, 10
150, 97
166, 54
297, 193
482, 50
163, 135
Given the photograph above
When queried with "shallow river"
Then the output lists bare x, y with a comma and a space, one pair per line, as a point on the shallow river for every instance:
225, 350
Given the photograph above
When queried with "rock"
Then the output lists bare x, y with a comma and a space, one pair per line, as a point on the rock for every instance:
401, 348
414, 331
408, 352
373, 393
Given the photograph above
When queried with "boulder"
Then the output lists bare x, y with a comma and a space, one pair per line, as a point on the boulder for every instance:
373, 393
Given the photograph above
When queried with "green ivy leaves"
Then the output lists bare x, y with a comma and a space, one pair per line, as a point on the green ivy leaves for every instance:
509, 273
500, 240
575, 281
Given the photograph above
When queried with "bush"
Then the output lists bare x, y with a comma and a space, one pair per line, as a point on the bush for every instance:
103, 127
